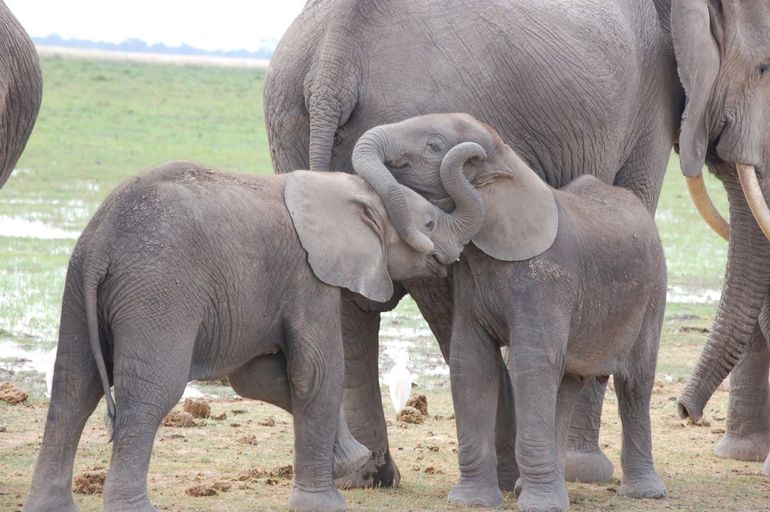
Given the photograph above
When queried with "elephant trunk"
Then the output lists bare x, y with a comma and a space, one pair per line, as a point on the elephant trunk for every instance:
468, 215
746, 285
371, 152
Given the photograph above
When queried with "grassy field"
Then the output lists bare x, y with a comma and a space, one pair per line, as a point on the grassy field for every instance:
104, 121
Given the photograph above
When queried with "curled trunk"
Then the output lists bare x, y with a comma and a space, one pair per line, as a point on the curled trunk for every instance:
371, 152
746, 285
468, 215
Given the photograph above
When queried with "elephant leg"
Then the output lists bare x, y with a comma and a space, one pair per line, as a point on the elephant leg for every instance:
361, 399
474, 361
434, 299
315, 368
264, 378
586, 462
569, 390
747, 436
148, 383
633, 387
537, 369
76, 392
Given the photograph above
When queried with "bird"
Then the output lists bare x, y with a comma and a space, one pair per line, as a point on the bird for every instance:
399, 380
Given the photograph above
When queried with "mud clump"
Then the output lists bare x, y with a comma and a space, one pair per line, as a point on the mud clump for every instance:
286, 472
419, 402
11, 394
209, 489
89, 482
179, 419
267, 422
410, 415
198, 408
249, 439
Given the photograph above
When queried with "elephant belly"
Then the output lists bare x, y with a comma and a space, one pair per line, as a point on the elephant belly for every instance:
604, 342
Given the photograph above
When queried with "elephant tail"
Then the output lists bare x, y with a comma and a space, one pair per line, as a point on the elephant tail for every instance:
93, 277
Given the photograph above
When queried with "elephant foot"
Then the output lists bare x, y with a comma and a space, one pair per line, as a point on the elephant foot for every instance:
648, 486
41, 504
326, 499
752, 447
141, 504
379, 471
349, 456
475, 495
587, 466
543, 498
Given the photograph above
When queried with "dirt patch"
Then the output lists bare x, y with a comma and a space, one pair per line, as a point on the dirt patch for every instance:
267, 422
220, 417
249, 439
410, 415
419, 402
179, 419
11, 394
692, 328
286, 472
207, 489
89, 482
198, 408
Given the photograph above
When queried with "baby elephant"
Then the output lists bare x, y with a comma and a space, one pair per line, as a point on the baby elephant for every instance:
185, 273
573, 281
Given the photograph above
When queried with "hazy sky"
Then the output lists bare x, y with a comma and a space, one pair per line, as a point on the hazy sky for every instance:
208, 24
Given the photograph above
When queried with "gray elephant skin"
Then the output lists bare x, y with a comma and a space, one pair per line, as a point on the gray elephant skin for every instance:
185, 273
574, 86
573, 281
21, 87
724, 64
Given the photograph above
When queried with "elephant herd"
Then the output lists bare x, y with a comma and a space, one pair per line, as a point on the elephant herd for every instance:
509, 157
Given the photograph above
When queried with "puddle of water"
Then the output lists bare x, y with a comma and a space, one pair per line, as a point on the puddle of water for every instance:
692, 295
19, 227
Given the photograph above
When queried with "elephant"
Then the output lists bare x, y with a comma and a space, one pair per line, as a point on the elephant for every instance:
178, 277
21, 87
572, 280
723, 64
574, 86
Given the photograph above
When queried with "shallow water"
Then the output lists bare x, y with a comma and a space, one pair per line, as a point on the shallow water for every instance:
19, 227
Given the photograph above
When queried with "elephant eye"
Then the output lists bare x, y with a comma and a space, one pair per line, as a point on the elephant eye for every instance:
763, 69
430, 225
434, 145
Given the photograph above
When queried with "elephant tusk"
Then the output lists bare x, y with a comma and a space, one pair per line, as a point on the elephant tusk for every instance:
750, 185
706, 208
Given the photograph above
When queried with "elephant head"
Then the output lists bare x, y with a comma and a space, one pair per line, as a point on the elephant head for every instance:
520, 214
351, 242
722, 50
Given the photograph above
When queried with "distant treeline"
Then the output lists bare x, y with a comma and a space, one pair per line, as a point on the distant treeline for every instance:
137, 45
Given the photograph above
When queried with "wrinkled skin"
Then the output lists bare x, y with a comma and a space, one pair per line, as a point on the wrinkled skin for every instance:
723, 66
572, 280
607, 105
185, 273
21, 88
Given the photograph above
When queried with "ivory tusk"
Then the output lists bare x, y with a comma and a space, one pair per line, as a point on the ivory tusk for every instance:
750, 185
706, 208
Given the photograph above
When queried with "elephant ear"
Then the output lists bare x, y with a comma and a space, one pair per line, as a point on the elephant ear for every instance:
520, 216
339, 221
697, 57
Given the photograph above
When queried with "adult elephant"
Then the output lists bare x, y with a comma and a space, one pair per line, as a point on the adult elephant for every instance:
21, 90
574, 86
727, 79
